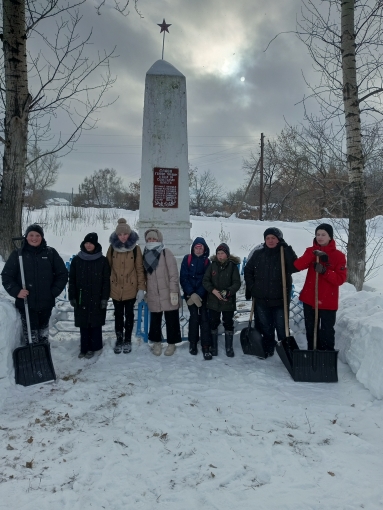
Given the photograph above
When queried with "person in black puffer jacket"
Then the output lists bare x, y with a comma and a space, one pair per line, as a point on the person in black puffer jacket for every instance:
45, 278
193, 268
89, 289
263, 277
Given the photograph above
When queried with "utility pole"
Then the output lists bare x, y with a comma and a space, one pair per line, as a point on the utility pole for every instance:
261, 181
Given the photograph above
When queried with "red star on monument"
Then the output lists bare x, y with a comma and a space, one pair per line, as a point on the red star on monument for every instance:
164, 26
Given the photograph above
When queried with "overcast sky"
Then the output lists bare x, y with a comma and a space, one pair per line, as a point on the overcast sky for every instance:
215, 44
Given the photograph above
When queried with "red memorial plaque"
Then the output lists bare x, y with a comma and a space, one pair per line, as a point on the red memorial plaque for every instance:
165, 193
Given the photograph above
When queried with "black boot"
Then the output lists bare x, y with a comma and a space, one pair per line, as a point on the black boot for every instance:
193, 348
118, 346
229, 343
214, 342
206, 353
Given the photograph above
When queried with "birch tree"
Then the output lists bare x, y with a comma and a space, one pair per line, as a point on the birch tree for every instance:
65, 84
344, 39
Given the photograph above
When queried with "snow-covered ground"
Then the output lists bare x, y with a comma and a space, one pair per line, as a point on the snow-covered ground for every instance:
137, 431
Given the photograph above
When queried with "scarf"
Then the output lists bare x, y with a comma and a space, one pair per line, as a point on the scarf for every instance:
152, 255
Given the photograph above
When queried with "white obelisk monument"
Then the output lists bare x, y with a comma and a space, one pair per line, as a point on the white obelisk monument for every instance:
164, 196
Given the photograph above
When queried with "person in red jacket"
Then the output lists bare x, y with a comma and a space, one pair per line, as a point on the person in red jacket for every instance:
332, 273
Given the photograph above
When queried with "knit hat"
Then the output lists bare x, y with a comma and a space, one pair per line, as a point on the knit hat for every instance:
327, 227
151, 234
123, 227
91, 238
223, 247
34, 228
273, 231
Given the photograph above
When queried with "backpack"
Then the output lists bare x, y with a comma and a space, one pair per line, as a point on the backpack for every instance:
190, 259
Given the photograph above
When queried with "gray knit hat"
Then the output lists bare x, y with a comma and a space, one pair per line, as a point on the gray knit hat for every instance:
123, 227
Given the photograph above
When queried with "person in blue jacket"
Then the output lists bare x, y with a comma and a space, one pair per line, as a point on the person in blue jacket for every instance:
193, 268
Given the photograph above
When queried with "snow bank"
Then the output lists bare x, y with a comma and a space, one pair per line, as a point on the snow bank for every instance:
10, 335
359, 338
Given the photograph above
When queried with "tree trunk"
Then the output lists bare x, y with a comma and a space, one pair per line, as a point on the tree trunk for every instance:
356, 248
17, 101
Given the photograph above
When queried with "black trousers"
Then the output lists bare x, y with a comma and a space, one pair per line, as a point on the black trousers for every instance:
39, 321
90, 339
326, 331
121, 309
173, 330
227, 320
199, 322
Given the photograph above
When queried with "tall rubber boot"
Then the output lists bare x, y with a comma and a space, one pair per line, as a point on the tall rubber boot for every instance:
214, 342
229, 343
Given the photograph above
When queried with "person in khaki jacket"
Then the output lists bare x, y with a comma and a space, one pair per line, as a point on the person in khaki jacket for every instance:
163, 292
127, 281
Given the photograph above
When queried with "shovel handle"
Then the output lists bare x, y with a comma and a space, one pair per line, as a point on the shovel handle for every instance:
285, 310
25, 299
252, 312
316, 308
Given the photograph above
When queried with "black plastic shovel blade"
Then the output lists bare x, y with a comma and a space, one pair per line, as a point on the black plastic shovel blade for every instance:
285, 350
251, 342
33, 364
315, 366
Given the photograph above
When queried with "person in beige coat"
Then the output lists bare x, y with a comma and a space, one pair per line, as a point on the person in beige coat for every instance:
163, 291
127, 281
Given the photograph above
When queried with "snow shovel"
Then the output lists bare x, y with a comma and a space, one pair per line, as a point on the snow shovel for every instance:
33, 362
251, 339
315, 366
288, 345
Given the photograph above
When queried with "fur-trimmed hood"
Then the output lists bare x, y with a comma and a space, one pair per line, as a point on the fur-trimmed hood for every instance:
233, 258
129, 245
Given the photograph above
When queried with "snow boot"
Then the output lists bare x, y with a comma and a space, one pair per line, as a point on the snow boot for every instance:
214, 344
127, 347
229, 343
170, 350
157, 349
206, 353
89, 355
193, 348
118, 346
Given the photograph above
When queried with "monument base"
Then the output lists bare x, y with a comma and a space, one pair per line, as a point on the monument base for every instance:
176, 235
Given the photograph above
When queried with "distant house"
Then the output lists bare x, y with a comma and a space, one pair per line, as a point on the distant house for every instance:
57, 201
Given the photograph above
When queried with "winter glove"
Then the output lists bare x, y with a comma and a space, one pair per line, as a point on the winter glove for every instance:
104, 304
319, 268
283, 243
174, 298
323, 257
140, 296
225, 294
194, 300
247, 294
73, 303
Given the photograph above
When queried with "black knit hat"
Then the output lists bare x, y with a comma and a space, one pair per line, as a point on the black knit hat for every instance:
327, 227
223, 247
91, 238
34, 228
273, 231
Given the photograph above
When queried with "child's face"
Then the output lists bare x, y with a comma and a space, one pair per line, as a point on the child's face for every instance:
322, 238
89, 247
221, 256
271, 241
199, 249
123, 238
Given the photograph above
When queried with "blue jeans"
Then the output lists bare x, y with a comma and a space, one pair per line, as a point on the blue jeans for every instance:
271, 318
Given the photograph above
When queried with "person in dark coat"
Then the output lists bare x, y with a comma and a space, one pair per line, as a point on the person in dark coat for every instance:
263, 277
89, 289
193, 268
45, 279
332, 273
222, 281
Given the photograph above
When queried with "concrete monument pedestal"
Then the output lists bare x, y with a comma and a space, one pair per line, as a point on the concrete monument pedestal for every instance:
164, 196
